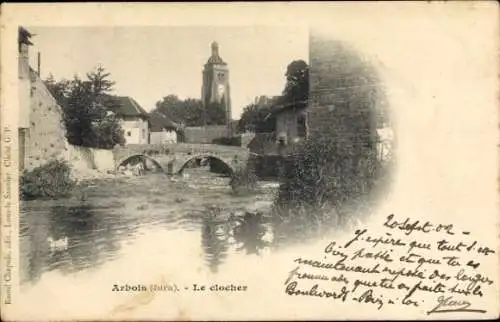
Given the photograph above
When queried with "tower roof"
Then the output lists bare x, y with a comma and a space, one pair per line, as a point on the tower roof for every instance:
215, 58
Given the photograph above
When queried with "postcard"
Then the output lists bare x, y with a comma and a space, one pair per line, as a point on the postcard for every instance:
249, 161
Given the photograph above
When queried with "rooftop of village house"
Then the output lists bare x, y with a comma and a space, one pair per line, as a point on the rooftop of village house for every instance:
124, 106
280, 108
159, 122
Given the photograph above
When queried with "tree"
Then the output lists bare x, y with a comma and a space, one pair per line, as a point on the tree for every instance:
296, 90
99, 82
190, 111
248, 118
85, 117
58, 89
215, 114
108, 132
258, 118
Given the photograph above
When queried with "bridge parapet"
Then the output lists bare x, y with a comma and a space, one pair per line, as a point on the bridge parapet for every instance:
173, 157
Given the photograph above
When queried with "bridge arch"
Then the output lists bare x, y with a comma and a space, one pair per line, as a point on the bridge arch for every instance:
209, 156
139, 155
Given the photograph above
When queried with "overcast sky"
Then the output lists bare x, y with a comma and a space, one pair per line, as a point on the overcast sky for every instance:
149, 63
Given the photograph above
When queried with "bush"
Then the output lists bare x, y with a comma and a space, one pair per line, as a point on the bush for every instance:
51, 180
323, 173
232, 141
244, 180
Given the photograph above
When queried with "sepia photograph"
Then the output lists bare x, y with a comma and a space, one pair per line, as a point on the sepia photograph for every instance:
133, 130
204, 169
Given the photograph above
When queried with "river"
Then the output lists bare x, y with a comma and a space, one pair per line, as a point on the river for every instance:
89, 230
157, 230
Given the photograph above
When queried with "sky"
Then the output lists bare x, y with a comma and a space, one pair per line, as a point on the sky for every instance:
149, 63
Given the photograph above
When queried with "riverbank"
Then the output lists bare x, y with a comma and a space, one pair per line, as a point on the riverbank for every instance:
85, 174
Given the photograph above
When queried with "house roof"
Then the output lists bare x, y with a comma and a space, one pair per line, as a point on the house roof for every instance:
124, 106
280, 108
159, 122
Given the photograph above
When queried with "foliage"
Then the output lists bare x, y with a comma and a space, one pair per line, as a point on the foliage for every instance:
337, 166
187, 112
190, 112
321, 172
107, 132
259, 117
59, 89
215, 114
232, 141
51, 180
85, 117
296, 90
244, 180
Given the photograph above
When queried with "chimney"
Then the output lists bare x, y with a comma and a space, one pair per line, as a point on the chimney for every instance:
24, 43
38, 61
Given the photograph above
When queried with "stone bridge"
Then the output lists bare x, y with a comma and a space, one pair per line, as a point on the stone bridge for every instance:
172, 158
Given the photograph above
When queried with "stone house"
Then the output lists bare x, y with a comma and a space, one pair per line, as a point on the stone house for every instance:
290, 124
41, 132
134, 119
162, 130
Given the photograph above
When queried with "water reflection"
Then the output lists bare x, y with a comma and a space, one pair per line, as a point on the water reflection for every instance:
251, 233
88, 234
77, 233
214, 239
248, 232
68, 238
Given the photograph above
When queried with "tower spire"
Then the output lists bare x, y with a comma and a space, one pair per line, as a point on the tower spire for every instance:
215, 49
215, 58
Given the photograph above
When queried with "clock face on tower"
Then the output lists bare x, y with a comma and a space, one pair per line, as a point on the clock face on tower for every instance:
221, 89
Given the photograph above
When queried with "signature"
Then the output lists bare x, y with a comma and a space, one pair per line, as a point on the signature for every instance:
449, 304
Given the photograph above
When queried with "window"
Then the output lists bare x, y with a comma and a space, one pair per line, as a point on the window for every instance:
129, 133
301, 126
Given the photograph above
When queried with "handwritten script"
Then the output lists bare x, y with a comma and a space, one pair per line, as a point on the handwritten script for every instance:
424, 265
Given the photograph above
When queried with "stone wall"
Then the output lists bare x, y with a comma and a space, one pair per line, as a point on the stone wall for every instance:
45, 140
198, 134
345, 93
86, 160
322, 95
246, 138
163, 137
24, 87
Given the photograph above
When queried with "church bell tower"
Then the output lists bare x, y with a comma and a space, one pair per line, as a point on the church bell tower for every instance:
215, 87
